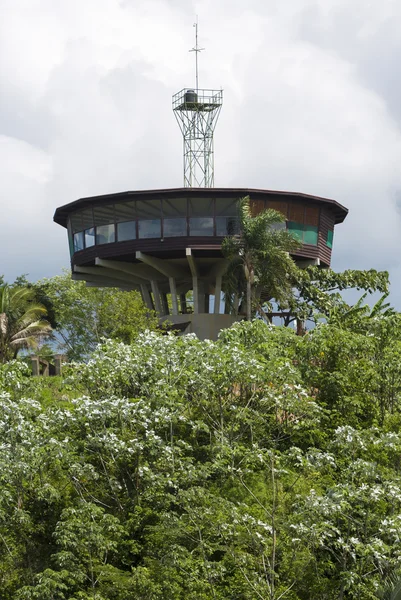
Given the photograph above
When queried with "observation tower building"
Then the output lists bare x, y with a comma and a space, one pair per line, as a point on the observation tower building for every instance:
166, 243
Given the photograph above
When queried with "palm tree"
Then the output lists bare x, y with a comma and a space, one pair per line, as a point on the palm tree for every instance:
22, 321
260, 267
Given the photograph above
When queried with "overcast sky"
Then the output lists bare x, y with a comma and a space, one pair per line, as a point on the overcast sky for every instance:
312, 103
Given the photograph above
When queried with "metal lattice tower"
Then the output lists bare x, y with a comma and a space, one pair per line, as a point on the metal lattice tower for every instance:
197, 111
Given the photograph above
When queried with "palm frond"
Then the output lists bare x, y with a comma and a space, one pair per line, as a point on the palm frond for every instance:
22, 320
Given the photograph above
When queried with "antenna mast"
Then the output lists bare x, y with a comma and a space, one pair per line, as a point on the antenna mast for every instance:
197, 112
196, 49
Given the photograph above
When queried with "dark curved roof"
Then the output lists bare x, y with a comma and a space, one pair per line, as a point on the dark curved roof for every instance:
61, 214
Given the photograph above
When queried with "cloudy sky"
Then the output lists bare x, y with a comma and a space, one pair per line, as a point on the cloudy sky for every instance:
312, 103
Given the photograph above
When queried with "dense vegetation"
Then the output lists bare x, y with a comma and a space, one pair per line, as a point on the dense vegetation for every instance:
265, 465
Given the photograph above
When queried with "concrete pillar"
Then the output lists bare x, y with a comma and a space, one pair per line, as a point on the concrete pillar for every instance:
156, 297
35, 365
217, 294
195, 280
59, 359
173, 292
146, 297
195, 294
165, 308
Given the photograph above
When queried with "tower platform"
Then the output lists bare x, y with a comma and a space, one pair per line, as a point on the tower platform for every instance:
166, 243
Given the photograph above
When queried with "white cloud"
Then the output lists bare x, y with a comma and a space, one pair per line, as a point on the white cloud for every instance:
85, 109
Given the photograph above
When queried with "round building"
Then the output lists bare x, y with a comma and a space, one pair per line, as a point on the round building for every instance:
166, 243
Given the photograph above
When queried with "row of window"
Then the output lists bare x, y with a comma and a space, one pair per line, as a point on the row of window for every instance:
153, 210
181, 217
152, 228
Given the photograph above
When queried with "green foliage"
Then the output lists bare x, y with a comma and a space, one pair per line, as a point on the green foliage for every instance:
260, 268
318, 291
83, 315
22, 321
264, 465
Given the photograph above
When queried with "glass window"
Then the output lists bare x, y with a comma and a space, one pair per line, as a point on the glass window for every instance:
89, 237
278, 226
78, 241
87, 218
148, 209
329, 241
310, 235
76, 222
149, 228
201, 207
126, 231
227, 226
227, 207
103, 215
201, 226
175, 227
176, 207
105, 234
125, 211
297, 230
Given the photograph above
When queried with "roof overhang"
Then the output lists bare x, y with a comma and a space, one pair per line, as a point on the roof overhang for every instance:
61, 214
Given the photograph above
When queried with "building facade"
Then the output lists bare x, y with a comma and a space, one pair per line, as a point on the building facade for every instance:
166, 243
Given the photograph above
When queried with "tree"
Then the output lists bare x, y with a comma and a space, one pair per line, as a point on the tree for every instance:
318, 292
85, 315
22, 321
254, 467
260, 268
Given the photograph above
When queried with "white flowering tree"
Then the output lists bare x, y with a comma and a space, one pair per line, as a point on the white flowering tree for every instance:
175, 468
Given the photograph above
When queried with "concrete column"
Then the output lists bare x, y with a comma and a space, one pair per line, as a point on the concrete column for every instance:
146, 297
35, 365
217, 294
156, 297
206, 303
58, 361
173, 292
195, 279
195, 294
166, 310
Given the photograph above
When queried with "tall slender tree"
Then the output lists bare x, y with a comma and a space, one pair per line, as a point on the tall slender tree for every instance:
22, 321
260, 267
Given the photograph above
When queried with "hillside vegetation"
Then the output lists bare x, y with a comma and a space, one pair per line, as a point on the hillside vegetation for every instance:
265, 465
